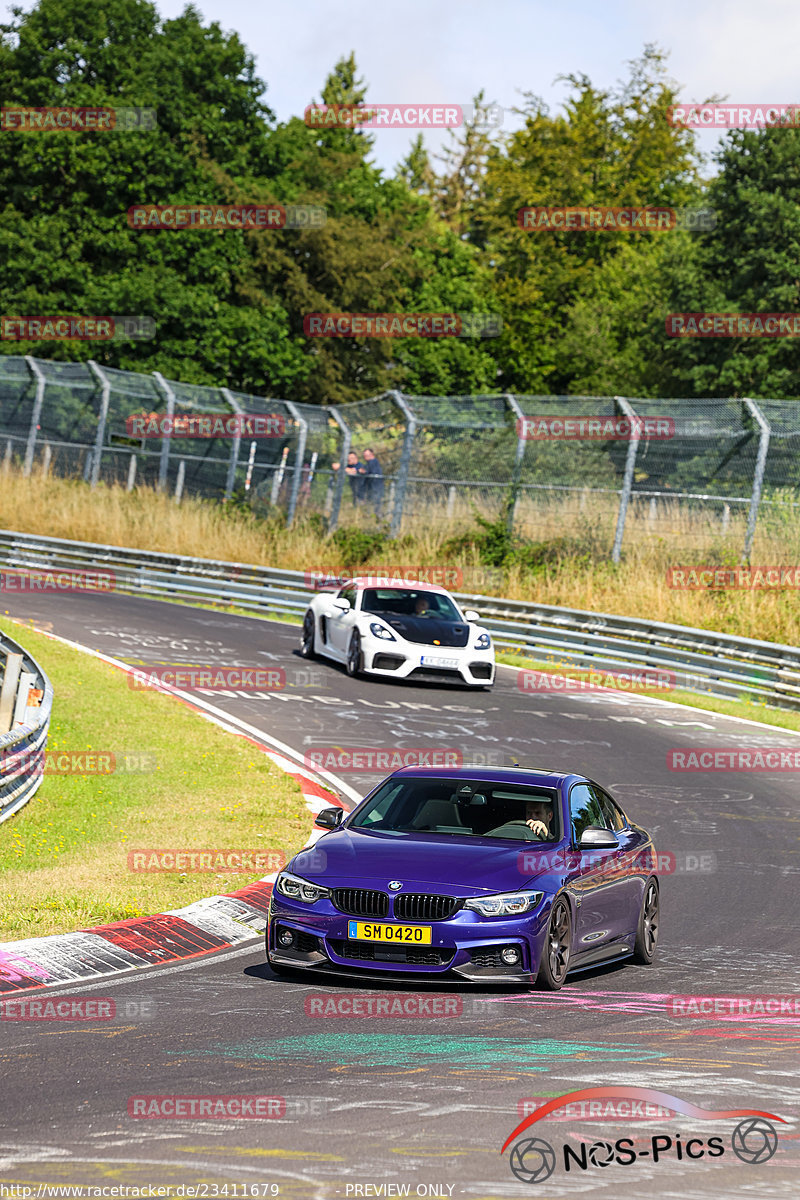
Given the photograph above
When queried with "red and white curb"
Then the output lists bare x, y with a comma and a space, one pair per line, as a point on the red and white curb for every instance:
214, 923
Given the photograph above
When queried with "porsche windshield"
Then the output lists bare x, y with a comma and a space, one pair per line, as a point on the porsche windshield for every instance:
467, 808
409, 602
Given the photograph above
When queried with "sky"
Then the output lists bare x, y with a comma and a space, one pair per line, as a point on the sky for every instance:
423, 52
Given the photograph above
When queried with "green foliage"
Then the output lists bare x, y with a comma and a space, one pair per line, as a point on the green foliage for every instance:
356, 546
583, 312
496, 547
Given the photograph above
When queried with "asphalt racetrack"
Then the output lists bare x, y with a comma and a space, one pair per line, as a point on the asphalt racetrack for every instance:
421, 1106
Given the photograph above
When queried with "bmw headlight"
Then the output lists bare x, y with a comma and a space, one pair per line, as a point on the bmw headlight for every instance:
380, 631
508, 904
300, 889
483, 642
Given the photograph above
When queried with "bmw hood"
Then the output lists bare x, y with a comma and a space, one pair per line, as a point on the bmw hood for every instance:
438, 863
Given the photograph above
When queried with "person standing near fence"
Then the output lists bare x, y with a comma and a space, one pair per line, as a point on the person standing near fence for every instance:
373, 482
354, 470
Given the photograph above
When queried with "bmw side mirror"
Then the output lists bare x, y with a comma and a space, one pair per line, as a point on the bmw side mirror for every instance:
329, 818
595, 838
471, 615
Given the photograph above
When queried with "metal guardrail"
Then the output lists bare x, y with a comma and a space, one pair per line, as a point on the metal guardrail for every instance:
700, 660
26, 701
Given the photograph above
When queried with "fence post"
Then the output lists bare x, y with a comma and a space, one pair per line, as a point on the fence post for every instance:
30, 449
131, 473
627, 481
236, 442
298, 459
758, 478
168, 394
180, 480
405, 463
347, 437
518, 457
105, 396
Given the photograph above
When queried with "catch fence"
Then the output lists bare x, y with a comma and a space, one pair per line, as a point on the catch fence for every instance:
440, 461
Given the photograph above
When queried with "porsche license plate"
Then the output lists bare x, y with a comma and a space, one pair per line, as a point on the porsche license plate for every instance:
369, 931
431, 660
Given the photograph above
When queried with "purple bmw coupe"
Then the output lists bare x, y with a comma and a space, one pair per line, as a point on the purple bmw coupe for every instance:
503, 875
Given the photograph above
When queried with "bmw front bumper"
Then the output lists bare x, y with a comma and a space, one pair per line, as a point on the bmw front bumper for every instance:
466, 945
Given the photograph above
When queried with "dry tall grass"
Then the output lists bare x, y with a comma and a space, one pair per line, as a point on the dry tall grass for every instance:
578, 575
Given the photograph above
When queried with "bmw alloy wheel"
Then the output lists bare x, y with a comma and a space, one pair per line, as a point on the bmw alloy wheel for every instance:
647, 933
557, 948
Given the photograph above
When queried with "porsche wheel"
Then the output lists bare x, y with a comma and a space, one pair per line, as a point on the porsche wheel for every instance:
557, 948
307, 640
354, 655
644, 950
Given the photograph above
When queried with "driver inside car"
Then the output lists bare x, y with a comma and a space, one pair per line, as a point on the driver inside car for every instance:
538, 816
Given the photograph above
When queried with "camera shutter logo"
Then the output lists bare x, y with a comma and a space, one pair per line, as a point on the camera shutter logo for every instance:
533, 1160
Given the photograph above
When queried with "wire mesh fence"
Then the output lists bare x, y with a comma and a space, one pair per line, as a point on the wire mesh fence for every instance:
690, 471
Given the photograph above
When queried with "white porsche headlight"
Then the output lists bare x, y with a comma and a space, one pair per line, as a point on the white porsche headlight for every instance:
380, 631
483, 642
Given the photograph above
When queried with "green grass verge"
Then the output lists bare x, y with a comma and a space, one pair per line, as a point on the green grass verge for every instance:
64, 856
749, 709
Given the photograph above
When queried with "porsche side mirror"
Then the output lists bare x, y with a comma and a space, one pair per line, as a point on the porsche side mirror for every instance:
342, 605
595, 838
328, 818
471, 615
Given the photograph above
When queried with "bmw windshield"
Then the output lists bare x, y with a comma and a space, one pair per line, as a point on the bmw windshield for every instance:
461, 807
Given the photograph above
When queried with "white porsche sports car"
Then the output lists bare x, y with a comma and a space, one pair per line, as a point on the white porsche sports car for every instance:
399, 631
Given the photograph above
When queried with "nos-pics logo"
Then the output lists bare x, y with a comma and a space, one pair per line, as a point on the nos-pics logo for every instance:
754, 1139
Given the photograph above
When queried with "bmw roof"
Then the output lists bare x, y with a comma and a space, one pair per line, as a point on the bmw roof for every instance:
534, 775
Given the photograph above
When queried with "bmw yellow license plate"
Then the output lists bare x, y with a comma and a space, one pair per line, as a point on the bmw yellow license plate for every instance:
368, 931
